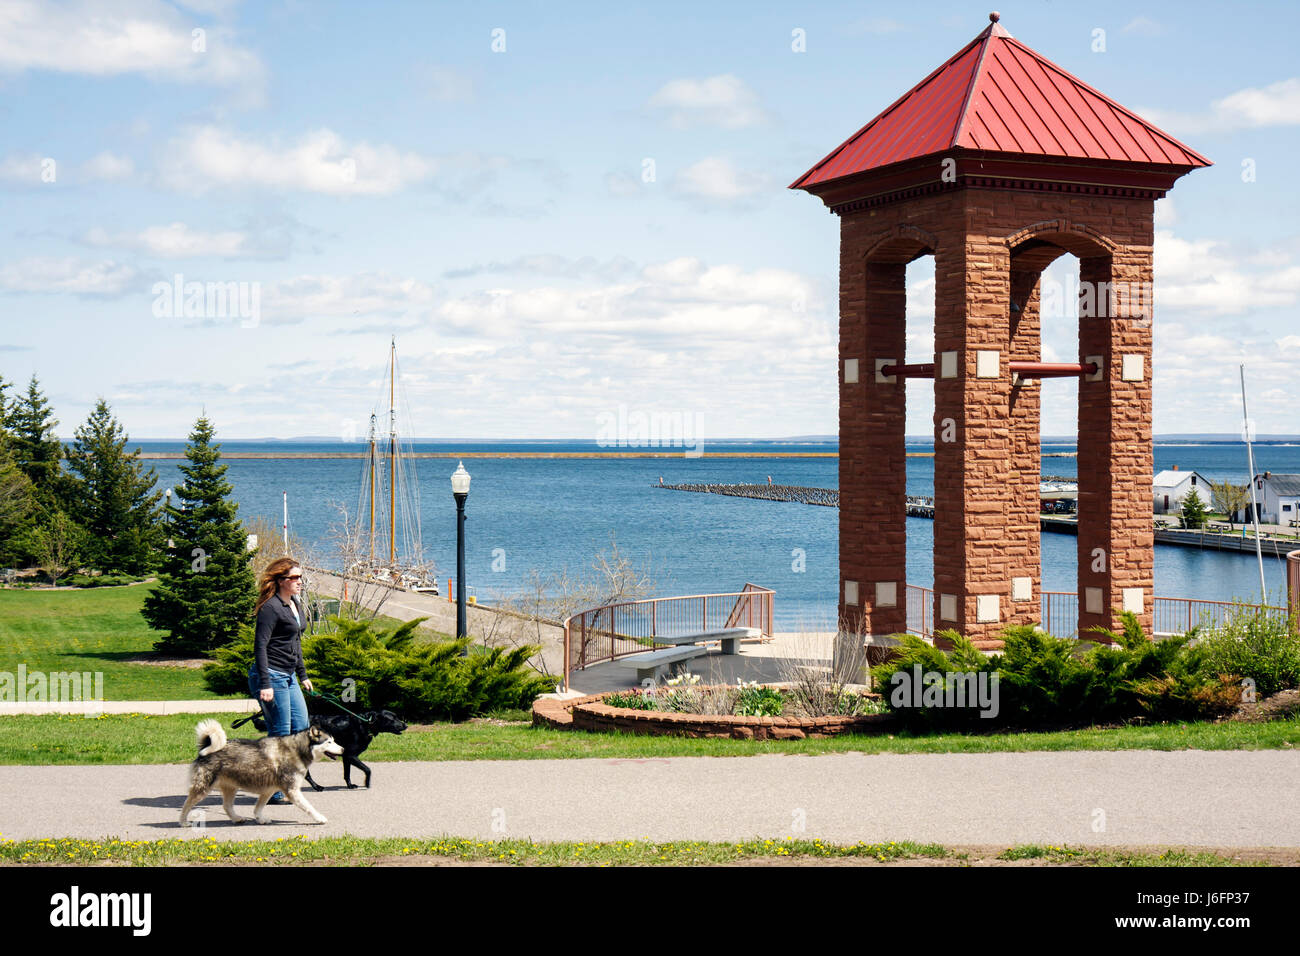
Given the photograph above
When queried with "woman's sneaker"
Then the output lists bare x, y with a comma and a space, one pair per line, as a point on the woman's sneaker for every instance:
277, 798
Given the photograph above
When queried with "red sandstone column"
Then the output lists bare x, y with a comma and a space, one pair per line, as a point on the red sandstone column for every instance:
873, 476
1116, 535
973, 444
1023, 548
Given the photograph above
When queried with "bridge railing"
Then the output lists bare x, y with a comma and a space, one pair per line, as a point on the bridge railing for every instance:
630, 627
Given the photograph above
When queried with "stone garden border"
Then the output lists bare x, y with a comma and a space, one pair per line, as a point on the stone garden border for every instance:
590, 713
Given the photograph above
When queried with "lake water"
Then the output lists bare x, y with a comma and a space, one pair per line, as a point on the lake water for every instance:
527, 513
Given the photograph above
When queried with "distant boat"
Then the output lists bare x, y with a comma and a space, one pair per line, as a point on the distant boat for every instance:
390, 488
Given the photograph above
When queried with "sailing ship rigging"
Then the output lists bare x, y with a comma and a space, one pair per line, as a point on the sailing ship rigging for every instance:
390, 490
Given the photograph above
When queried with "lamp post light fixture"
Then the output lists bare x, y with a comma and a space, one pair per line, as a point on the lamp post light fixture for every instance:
460, 491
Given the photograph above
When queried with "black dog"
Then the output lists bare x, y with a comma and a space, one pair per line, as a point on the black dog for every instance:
352, 735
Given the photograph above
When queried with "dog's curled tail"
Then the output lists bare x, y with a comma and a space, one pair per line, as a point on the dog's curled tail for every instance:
211, 736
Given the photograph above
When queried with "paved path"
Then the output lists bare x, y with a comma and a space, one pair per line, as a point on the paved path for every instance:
1187, 798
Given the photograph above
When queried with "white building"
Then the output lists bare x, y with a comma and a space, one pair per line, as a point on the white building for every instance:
1169, 488
1279, 498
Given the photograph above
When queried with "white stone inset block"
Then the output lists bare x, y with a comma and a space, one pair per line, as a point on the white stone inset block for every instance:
1022, 589
1133, 369
988, 608
885, 379
1098, 361
886, 594
850, 592
947, 364
947, 607
986, 364
850, 371
1133, 600
1092, 603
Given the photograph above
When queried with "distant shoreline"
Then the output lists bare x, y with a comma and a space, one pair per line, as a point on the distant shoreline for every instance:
326, 455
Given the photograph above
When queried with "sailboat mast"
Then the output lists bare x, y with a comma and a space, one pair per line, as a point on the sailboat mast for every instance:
373, 461
392, 458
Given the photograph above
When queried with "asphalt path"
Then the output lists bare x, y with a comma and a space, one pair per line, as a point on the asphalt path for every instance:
1135, 798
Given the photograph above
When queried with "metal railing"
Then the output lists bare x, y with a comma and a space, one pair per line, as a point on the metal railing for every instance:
616, 630
1060, 612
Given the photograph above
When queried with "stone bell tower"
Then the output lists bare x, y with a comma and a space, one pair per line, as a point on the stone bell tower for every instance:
996, 164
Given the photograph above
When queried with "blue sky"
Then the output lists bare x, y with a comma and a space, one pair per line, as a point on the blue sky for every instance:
591, 215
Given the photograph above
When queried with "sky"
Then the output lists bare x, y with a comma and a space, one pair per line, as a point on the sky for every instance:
567, 212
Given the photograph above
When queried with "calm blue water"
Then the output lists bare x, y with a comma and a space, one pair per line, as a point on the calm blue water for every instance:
551, 513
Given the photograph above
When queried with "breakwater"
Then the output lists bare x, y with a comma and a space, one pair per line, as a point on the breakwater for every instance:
923, 507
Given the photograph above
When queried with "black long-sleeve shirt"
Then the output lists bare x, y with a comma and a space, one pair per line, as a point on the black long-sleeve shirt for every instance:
277, 642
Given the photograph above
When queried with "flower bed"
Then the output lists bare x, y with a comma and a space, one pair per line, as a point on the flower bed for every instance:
595, 713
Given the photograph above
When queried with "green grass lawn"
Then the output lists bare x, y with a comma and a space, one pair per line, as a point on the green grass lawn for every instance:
356, 851
144, 739
95, 629
100, 630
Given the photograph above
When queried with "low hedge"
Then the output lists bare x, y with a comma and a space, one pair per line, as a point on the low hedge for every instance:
375, 669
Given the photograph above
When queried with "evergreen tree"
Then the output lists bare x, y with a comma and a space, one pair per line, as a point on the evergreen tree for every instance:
113, 496
206, 589
36, 448
18, 508
1194, 512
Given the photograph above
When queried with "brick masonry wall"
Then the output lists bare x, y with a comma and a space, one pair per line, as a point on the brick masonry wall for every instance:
986, 433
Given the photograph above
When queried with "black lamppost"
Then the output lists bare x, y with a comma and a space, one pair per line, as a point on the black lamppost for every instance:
460, 491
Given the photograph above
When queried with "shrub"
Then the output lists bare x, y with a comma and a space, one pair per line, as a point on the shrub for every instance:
633, 701
389, 670
1050, 681
1255, 644
755, 701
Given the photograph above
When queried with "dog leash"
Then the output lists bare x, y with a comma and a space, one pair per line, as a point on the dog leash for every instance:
367, 721
339, 704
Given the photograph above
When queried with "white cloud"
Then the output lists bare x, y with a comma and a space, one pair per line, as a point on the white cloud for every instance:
108, 166
1277, 104
70, 276
321, 162
715, 181
176, 241
22, 168
114, 37
362, 294
723, 101
1144, 27
1202, 275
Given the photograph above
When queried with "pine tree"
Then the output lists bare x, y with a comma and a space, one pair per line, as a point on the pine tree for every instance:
206, 589
113, 496
1194, 512
18, 508
36, 449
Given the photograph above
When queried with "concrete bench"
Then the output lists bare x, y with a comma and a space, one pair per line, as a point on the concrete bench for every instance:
655, 664
729, 638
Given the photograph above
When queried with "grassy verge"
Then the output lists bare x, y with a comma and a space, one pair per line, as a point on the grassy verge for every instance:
97, 629
146, 739
101, 630
356, 851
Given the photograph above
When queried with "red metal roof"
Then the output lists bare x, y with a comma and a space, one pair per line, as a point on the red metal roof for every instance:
996, 94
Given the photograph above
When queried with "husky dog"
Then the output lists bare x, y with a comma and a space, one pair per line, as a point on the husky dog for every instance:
255, 766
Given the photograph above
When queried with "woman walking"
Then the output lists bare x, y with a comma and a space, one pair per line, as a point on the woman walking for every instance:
277, 652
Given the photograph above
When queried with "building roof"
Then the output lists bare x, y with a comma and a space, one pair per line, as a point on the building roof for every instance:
998, 95
1171, 479
1284, 484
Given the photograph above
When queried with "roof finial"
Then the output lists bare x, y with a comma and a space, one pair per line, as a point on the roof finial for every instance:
994, 17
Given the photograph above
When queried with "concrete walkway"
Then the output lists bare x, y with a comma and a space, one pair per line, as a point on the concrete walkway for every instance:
1146, 798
